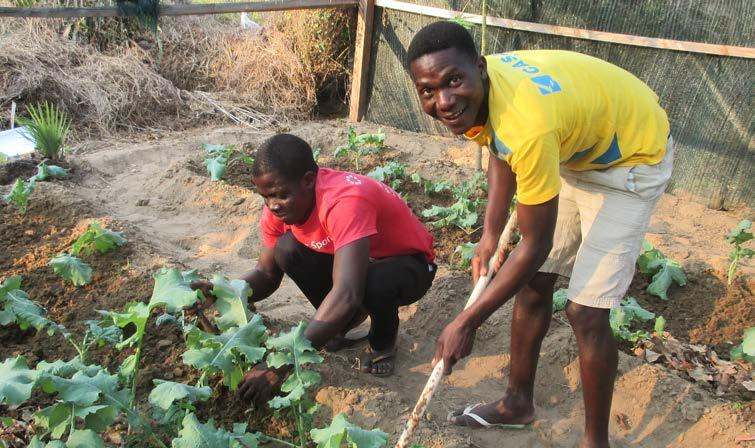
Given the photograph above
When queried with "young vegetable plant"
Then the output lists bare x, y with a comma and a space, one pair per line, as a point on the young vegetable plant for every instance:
97, 239
622, 317
392, 173
360, 145
738, 236
72, 269
18, 196
465, 251
463, 212
664, 270
16, 307
220, 157
292, 349
429, 186
45, 171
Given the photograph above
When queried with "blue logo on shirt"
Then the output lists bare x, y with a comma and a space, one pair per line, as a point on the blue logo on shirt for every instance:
545, 83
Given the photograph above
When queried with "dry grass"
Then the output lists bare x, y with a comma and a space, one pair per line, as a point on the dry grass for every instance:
101, 93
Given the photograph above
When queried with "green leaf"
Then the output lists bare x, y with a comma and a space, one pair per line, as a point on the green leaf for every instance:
232, 302
72, 269
333, 435
622, 316
18, 308
748, 342
669, 271
136, 313
98, 239
16, 380
230, 353
465, 252
18, 196
173, 290
216, 167
35, 442
292, 348
54, 418
85, 438
740, 234
560, 298
295, 387
194, 434
44, 171
660, 325
166, 393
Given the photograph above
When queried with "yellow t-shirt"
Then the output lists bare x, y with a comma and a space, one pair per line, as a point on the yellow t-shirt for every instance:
549, 108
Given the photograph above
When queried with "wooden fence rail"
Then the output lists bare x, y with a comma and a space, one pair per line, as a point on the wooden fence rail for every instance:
179, 10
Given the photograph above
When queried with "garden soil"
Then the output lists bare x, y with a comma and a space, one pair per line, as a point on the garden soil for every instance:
156, 192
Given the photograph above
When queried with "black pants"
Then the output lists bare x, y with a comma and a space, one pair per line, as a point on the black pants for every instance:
391, 282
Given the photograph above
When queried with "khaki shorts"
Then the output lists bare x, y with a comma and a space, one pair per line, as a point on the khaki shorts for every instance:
602, 219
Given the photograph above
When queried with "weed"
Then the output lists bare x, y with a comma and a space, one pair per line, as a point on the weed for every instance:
48, 127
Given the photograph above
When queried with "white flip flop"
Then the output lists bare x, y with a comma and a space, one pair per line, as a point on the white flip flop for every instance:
468, 412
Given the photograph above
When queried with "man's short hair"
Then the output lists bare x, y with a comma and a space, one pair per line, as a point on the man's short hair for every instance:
440, 36
286, 155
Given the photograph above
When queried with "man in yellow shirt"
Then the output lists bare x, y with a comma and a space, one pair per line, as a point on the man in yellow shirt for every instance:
587, 150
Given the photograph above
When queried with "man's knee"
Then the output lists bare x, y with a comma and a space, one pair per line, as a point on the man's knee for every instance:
538, 292
286, 249
585, 319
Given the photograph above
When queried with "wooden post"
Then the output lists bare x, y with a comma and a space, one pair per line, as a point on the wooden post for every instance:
358, 99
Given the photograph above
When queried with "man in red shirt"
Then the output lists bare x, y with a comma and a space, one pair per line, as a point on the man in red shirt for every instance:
349, 242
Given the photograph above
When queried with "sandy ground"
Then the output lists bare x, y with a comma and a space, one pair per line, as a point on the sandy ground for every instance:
181, 217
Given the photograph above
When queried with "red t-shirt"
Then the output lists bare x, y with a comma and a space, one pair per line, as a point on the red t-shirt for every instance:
348, 207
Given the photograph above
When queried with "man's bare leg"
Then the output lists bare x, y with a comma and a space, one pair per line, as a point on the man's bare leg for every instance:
598, 359
533, 307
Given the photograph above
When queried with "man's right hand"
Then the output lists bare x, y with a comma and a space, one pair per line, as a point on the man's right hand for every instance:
484, 250
261, 383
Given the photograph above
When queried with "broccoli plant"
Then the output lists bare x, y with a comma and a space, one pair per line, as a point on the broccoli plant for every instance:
430, 186
360, 145
17, 307
465, 251
220, 157
738, 237
18, 196
45, 171
340, 429
463, 212
392, 173
664, 270
622, 317
97, 239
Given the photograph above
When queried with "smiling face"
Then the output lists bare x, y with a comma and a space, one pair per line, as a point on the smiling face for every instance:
290, 201
452, 88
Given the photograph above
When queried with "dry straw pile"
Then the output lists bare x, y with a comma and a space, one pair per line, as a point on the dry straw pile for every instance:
203, 69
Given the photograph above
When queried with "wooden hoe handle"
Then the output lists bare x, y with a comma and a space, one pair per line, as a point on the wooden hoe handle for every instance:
434, 381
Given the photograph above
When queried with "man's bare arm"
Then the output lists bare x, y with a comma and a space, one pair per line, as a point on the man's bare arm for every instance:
346, 297
266, 276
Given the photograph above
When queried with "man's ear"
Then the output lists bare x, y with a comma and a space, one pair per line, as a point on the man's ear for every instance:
482, 66
308, 180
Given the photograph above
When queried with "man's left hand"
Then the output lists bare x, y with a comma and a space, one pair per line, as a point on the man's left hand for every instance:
455, 342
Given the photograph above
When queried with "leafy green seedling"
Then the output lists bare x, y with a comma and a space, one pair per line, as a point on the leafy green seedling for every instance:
99, 239
340, 429
745, 350
72, 269
465, 251
660, 325
18, 196
391, 173
462, 214
16, 381
45, 171
18, 308
205, 435
622, 316
738, 237
231, 353
429, 186
220, 157
360, 145
294, 350
560, 298
664, 270
172, 401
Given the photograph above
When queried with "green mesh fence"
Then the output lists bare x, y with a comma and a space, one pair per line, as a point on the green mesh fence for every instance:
709, 99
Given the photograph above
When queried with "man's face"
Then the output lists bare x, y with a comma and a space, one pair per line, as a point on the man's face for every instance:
451, 88
290, 201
